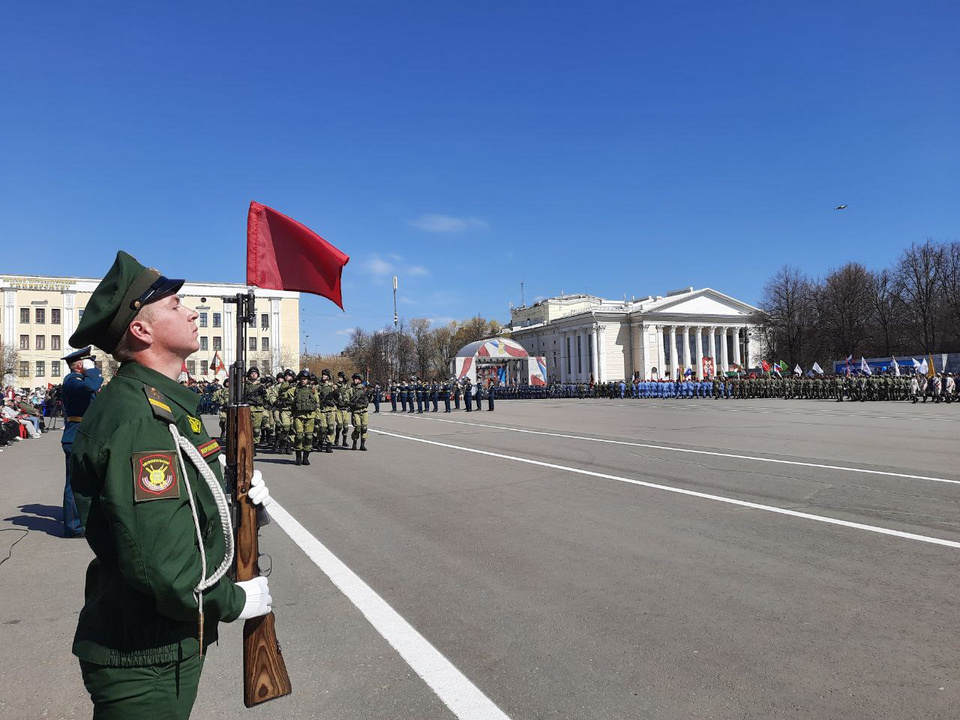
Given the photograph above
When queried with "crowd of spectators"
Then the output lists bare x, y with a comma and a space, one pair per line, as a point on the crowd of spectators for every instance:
25, 412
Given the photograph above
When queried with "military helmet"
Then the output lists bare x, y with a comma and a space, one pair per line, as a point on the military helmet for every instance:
357, 376
289, 373
253, 369
305, 374
341, 374
326, 372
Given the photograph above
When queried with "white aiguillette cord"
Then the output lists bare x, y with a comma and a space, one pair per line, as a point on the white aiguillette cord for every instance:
225, 523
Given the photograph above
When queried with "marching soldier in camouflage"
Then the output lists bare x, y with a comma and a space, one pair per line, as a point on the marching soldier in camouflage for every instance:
359, 400
343, 409
285, 408
255, 395
221, 397
305, 404
328, 396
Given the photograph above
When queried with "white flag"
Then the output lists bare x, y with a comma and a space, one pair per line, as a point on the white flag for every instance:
896, 367
817, 369
798, 370
922, 369
864, 368
916, 364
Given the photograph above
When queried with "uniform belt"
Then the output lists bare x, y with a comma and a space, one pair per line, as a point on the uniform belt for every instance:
75, 418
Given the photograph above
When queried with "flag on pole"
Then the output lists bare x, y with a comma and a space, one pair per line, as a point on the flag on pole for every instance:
765, 366
864, 367
283, 254
931, 370
216, 365
922, 367
817, 369
798, 371
896, 367
184, 373
784, 367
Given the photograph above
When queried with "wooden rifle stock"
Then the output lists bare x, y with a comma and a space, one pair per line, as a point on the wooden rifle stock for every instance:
264, 671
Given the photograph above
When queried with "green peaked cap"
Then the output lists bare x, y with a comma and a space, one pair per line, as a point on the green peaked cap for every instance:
122, 293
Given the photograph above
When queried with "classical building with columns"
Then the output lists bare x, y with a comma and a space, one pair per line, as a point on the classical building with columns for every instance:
40, 314
584, 337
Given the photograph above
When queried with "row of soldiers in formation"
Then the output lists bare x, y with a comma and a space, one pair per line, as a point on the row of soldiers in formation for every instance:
302, 413
421, 394
939, 388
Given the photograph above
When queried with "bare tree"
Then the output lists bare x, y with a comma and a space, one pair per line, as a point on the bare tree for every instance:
888, 314
918, 278
788, 319
844, 310
422, 345
950, 284
9, 359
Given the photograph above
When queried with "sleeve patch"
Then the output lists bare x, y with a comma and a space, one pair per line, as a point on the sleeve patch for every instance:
209, 448
155, 476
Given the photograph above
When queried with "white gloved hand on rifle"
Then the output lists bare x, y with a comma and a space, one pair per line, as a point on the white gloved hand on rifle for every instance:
259, 495
258, 601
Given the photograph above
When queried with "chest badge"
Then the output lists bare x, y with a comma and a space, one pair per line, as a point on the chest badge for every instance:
195, 424
155, 476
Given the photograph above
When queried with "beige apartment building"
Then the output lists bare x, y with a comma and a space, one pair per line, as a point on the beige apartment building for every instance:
40, 314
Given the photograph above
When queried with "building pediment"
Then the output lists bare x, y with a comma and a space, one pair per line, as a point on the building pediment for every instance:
704, 302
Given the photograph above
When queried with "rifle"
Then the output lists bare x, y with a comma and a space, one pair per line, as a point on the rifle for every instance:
264, 671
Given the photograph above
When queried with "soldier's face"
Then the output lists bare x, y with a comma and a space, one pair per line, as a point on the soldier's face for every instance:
173, 326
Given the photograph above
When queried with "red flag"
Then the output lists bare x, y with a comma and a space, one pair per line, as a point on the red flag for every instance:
765, 365
282, 254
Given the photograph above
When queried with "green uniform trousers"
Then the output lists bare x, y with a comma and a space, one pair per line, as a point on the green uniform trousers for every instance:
303, 432
343, 420
330, 423
285, 431
359, 419
158, 692
256, 418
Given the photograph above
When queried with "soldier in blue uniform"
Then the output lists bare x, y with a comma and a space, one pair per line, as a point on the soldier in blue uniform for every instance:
491, 392
375, 396
393, 396
403, 392
467, 398
445, 391
80, 387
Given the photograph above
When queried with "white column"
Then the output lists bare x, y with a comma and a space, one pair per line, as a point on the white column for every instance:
673, 352
595, 351
748, 357
713, 348
686, 347
724, 361
736, 345
10, 318
659, 356
629, 366
275, 335
584, 358
699, 349
598, 354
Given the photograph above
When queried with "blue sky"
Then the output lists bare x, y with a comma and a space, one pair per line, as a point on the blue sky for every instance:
607, 148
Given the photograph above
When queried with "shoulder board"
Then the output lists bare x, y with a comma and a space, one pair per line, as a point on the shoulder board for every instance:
159, 405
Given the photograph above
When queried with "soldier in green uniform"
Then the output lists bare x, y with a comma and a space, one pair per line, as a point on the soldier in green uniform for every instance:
149, 490
328, 395
359, 400
255, 395
343, 408
285, 407
268, 431
221, 396
304, 405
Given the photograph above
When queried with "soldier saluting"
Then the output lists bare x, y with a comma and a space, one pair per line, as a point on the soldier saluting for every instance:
149, 490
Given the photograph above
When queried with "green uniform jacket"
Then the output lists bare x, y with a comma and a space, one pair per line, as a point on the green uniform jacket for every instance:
139, 604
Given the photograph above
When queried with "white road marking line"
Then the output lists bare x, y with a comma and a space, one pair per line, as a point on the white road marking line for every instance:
691, 493
453, 688
713, 453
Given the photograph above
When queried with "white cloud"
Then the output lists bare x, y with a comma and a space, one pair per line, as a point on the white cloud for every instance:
345, 331
385, 267
447, 224
440, 320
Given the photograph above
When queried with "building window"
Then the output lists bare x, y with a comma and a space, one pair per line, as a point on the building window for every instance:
203, 367
41, 368
204, 342
41, 316
265, 344
216, 319
25, 315
24, 368
568, 357
218, 343
203, 319
54, 342
253, 343
590, 353
191, 367
24, 342
80, 314
55, 368
264, 321
41, 343
54, 316
579, 354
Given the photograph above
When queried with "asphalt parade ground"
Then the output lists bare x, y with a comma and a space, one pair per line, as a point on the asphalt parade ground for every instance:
567, 559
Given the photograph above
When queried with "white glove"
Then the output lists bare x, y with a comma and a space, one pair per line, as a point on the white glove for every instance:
89, 364
258, 601
259, 495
